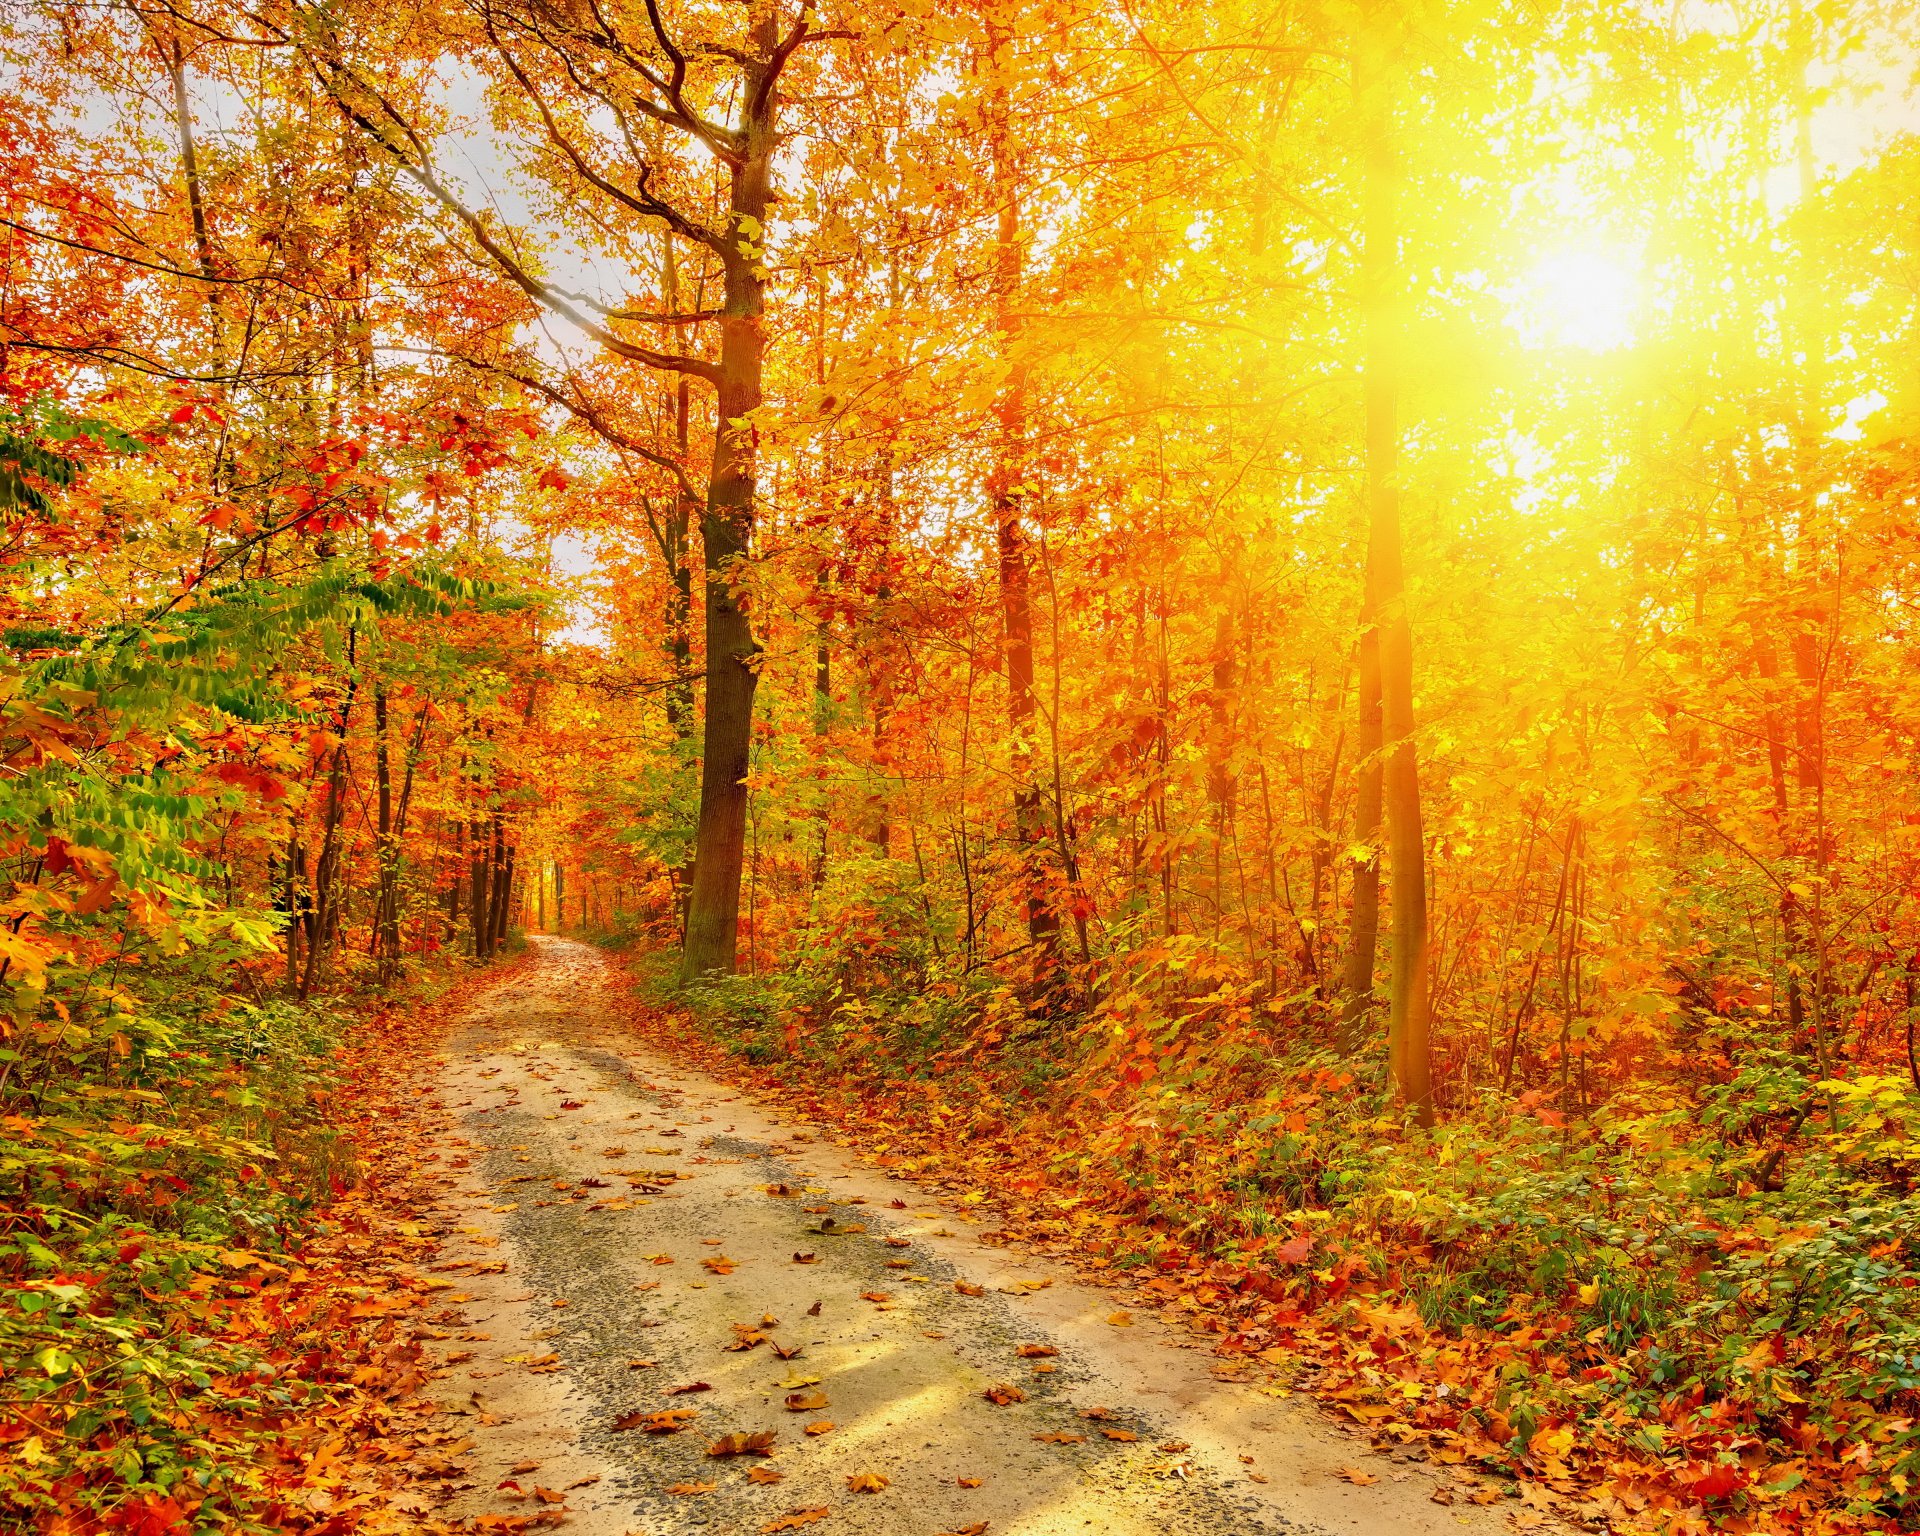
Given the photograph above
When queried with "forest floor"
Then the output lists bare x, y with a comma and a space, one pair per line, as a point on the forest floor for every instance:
638, 1265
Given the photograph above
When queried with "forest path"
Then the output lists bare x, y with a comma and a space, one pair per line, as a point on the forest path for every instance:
617, 1229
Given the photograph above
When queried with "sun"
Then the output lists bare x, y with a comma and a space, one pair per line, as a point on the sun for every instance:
1581, 297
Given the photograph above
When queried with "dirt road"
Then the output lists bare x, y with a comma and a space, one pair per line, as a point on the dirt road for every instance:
629, 1241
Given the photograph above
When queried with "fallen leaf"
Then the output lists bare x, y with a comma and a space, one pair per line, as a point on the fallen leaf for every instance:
806, 1258
1355, 1476
978, 1528
898, 1242
1004, 1393
1172, 1447
785, 1352
583, 1482
824, 1427
969, 1290
1121, 1319
1061, 1437
1442, 1495
968, 1482
719, 1264
665, 1421
1099, 1414
521, 1467
549, 1495
691, 1488
741, 1443
1035, 1351
1120, 1434
866, 1482
877, 1296
764, 1474
806, 1402
692, 1386
793, 1519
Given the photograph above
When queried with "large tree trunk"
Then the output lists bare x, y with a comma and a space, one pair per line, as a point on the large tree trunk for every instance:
713, 908
1408, 1001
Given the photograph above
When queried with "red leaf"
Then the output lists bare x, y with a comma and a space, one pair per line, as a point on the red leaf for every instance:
1717, 1481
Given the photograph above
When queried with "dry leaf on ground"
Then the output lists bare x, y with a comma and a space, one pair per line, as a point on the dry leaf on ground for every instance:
793, 1519
665, 1421
742, 1443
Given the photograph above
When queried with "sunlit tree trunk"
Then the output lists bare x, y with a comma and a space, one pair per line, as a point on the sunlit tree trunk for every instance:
713, 908
1408, 999
1363, 923
1007, 492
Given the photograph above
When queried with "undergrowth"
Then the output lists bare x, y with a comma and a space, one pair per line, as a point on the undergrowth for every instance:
162, 1166
1708, 1295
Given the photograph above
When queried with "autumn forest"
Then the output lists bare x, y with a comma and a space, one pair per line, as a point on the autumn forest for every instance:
1275, 642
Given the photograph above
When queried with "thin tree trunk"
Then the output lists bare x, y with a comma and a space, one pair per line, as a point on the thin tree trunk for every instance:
481, 912
326, 875
1007, 492
1408, 1058
1363, 924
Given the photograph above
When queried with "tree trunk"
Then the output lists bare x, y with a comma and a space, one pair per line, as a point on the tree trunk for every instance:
733, 655
1007, 492
385, 944
503, 868
1363, 925
481, 911
326, 898
1408, 1002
